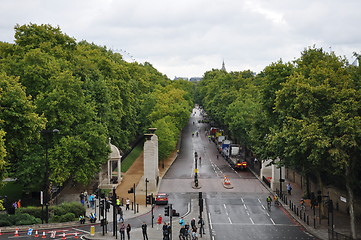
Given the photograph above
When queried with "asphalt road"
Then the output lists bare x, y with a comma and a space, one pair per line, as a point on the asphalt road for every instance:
237, 213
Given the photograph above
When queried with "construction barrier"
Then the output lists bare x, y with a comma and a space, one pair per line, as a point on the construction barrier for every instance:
227, 181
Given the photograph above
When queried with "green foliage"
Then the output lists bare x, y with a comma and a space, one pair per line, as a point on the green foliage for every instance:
18, 219
49, 81
31, 210
67, 217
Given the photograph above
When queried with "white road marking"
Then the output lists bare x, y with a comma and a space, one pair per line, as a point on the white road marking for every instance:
251, 220
229, 220
81, 230
273, 221
210, 220
245, 207
242, 200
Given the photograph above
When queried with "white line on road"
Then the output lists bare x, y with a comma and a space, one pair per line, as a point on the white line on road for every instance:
210, 220
225, 206
259, 201
81, 230
263, 207
273, 221
242, 200
245, 207
251, 220
229, 220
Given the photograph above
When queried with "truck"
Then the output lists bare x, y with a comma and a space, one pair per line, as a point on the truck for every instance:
233, 156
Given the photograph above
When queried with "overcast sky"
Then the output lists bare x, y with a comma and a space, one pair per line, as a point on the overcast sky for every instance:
186, 38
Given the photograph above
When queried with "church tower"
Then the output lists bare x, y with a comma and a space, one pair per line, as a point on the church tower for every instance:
223, 67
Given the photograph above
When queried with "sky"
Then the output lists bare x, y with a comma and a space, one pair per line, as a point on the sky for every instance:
186, 38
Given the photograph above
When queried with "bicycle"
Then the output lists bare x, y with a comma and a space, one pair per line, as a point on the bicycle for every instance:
269, 205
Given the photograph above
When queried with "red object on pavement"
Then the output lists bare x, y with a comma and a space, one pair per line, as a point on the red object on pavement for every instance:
64, 237
44, 236
76, 235
16, 232
36, 233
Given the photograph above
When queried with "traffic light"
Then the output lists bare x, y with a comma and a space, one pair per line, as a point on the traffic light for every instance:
149, 199
131, 190
166, 211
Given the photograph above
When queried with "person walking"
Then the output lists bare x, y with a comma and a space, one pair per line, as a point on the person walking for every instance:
127, 203
201, 225
128, 231
120, 213
289, 188
81, 196
159, 221
165, 231
169, 228
144, 231
193, 223
122, 231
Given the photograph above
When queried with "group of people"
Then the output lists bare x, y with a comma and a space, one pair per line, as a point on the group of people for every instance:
89, 200
191, 229
123, 229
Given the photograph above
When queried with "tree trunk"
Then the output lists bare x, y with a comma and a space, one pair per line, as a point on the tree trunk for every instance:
320, 185
350, 201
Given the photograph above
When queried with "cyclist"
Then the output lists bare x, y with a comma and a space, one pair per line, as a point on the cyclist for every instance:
275, 198
269, 201
302, 204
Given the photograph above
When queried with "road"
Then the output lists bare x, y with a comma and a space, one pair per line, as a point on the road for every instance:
238, 213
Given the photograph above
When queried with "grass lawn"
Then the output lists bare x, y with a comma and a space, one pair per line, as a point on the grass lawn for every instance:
133, 155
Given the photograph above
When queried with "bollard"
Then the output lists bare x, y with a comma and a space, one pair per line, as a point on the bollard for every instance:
304, 217
132, 206
137, 207
92, 230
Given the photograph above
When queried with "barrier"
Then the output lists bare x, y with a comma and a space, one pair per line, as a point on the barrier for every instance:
92, 230
16, 232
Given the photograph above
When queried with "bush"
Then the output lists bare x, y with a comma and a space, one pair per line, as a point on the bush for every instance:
18, 219
4, 220
68, 207
24, 219
33, 211
67, 217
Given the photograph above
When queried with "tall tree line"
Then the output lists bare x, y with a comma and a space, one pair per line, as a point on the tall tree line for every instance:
306, 112
49, 81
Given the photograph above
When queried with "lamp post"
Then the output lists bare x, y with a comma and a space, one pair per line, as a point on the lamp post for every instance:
47, 182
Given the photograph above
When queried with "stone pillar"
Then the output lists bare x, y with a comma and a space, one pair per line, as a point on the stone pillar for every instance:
151, 171
277, 172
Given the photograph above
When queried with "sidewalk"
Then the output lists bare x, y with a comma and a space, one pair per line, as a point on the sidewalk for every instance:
153, 233
309, 218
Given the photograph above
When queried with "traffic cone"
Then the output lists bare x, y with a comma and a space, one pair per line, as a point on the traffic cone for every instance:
16, 232
64, 237
36, 233
1, 232
44, 236
76, 235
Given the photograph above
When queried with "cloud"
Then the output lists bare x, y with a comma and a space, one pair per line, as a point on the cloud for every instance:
189, 37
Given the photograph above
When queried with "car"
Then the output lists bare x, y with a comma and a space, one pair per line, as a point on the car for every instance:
161, 198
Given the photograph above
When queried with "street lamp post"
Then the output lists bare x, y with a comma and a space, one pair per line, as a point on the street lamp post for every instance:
47, 182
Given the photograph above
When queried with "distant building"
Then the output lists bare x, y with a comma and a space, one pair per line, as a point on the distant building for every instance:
223, 67
181, 78
195, 79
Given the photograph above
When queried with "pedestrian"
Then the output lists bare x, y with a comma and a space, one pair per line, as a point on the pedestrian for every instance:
122, 231
127, 203
193, 223
289, 188
91, 200
201, 225
181, 221
128, 231
120, 213
81, 196
144, 231
159, 221
86, 198
18, 203
81, 219
165, 231
169, 228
